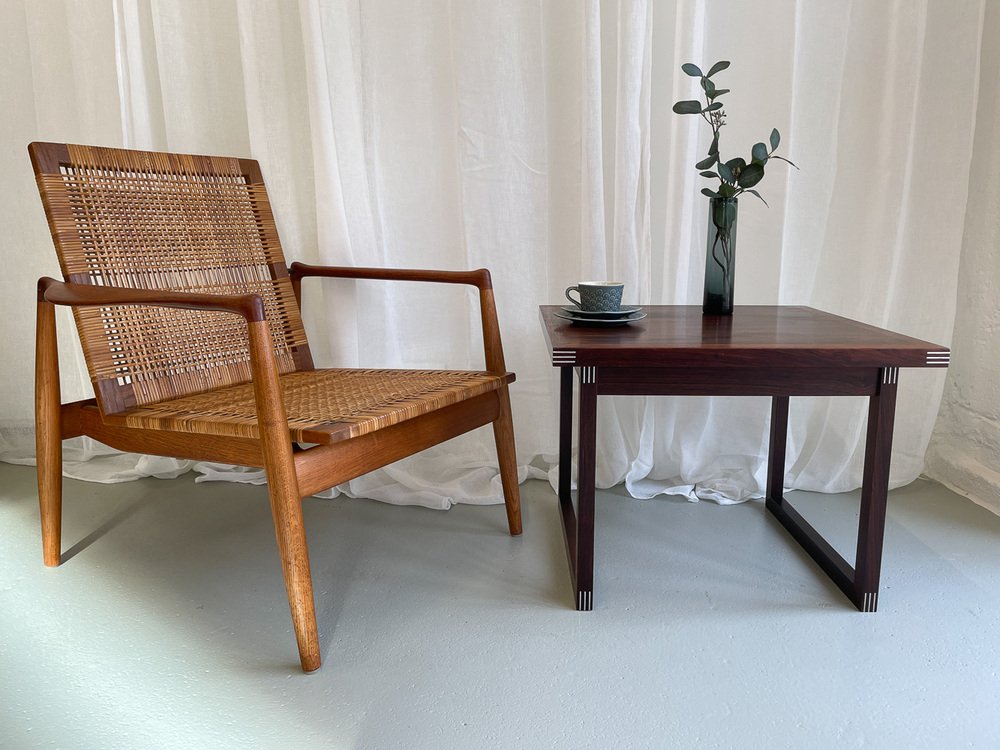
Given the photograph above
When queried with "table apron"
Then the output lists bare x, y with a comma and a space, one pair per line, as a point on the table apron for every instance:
734, 381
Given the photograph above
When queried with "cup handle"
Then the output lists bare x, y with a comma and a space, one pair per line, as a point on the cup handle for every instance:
573, 289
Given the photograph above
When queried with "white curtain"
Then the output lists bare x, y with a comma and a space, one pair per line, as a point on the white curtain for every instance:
536, 139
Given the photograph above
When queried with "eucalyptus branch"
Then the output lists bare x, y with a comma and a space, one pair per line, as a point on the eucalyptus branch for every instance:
736, 176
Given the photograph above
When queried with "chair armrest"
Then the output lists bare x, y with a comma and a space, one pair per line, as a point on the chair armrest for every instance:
250, 306
271, 413
479, 278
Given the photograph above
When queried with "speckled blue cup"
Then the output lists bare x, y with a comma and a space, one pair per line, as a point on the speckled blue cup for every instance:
597, 296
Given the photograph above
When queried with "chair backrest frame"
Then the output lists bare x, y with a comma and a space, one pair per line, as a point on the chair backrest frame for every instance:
178, 222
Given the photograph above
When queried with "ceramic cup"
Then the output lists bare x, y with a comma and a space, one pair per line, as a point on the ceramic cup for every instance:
597, 296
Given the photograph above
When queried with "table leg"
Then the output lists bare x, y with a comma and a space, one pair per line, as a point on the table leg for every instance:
578, 523
812, 541
860, 583
565, 431
586, 466
566, 510
874, 491
776, 447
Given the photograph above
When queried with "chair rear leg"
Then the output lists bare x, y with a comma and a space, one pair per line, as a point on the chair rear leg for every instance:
503, 433
48, 432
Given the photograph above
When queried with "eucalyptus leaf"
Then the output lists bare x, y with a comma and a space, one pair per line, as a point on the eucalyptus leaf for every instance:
713, 150
727, 191
726, 173
713, 106
759, 152
708, 86
692, 70
709, 174
719, 66
736, 165
750, 176
719, 92
706, 163
775, 138
709, 192
689, 107
754, 192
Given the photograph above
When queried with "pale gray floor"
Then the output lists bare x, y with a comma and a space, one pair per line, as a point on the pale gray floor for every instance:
167, 626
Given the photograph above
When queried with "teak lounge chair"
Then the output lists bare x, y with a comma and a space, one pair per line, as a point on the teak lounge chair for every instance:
190, 325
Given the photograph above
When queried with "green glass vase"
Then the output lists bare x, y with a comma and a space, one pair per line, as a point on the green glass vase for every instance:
720, 256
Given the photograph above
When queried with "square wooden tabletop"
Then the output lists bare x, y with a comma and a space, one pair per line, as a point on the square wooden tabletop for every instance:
754, 335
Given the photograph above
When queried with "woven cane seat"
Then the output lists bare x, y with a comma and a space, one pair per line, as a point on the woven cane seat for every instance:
323, 406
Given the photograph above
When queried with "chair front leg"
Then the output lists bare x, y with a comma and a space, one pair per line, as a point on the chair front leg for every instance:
503, 434
286, 509
283, 489
503, 426
48, 432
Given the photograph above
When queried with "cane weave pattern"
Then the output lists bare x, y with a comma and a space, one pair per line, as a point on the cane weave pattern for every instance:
174, 222
323, 406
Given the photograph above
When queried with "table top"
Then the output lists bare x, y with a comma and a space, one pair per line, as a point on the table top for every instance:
754, 335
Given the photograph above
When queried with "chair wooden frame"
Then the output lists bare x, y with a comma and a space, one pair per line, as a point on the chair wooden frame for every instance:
292, 472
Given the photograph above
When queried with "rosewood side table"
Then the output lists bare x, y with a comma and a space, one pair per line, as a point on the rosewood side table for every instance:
757, 351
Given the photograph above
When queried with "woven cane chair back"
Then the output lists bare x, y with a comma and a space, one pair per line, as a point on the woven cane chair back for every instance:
147, 220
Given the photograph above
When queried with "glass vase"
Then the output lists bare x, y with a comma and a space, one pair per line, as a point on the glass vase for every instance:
720, 256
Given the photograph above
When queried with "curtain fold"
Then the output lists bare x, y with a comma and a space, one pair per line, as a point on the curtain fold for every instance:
535, 139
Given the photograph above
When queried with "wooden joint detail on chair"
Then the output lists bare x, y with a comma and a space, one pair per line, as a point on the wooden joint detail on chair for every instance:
326, 466
72, 417
115, 396
46, 158
250, 168
302, 357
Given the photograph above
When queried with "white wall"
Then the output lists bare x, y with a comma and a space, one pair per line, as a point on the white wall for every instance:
965, 447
